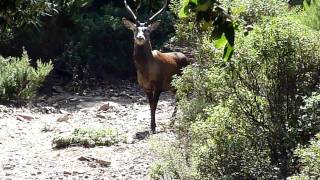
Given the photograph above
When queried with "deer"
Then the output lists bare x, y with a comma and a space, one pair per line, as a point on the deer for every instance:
154, 69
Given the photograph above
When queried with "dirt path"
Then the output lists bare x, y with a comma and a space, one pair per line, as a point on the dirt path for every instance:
26, 150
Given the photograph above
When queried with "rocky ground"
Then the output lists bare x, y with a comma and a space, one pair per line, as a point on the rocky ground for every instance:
26, 134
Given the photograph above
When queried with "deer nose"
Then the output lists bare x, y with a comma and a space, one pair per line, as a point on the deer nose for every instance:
140, 37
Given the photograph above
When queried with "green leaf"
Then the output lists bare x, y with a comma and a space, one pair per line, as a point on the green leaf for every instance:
221, 42
183, 12
228, 48
228, 52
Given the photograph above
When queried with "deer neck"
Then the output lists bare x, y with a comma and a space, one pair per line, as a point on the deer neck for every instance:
142, 56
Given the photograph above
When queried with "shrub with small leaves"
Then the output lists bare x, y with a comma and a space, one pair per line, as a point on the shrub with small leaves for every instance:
18, 79
87, 137
311, 14
309, 158
243, 119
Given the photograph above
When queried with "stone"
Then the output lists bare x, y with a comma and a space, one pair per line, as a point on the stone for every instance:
74, 99
102, 116
114, 98
104, 107
57, 89
66, 172
64, 112
142, 135
22, 117
101, 162
64, 118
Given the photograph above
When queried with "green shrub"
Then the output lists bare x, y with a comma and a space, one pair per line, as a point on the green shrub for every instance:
87, 137
245, 13
311, 14
171, 163
251, 11
16, 14
309, 158
243, 119
18, 79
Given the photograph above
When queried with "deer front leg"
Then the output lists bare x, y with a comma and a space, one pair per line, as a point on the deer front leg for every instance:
153, 97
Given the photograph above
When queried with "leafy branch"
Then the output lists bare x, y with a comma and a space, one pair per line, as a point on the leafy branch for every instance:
215, 18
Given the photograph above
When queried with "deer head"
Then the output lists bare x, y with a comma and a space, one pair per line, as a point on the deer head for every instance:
143, 30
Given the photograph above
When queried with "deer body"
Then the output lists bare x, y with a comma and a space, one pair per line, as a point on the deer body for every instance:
156, 72
154, 68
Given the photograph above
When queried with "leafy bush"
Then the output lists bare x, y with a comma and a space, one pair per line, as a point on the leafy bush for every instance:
88, 138
309, 158
217, 23
171, 164
251, 11
18, 79
243, 119
15, 14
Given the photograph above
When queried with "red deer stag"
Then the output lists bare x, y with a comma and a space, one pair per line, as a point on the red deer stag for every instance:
154, 68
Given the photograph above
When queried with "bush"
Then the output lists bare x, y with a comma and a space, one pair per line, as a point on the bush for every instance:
309, 158
171, 164
245, 14
244, 118
311, 14
18, 79
16, 14
87, 137
251, 11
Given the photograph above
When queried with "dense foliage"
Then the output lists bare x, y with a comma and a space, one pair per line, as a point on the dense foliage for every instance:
311, 14
85, 39
213, 16
243, 119
14, 14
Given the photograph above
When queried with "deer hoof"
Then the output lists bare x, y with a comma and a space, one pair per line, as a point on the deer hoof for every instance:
153, 131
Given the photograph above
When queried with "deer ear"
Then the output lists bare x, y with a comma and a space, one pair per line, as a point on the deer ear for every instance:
154, 25
128, 24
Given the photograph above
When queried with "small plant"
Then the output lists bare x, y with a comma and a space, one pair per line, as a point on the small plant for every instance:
87, 137
47, 128
18, 79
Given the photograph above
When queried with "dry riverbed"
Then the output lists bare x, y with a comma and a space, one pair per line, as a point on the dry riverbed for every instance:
26, 135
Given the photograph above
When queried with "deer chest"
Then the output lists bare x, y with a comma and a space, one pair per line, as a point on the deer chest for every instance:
153, 80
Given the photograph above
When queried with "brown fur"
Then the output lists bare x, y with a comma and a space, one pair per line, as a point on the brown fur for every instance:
155, 71
158, 72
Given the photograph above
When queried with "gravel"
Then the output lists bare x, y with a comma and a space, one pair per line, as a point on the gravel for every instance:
26, 134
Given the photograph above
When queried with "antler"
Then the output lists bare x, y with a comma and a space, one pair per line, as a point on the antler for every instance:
131, 12
139, 5
159, 12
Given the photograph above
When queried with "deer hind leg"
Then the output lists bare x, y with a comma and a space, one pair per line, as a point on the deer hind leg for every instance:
174, 113
153, 97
